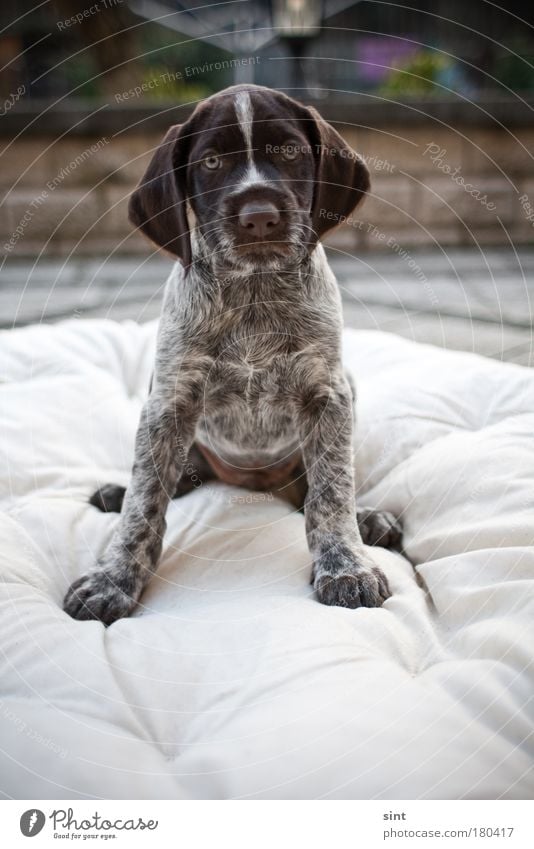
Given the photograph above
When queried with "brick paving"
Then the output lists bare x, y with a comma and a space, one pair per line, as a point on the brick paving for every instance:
459, 298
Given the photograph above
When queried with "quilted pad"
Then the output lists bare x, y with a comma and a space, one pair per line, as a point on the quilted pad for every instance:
230, 680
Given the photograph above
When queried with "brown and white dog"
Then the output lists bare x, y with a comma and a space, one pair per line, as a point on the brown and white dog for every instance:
248, 383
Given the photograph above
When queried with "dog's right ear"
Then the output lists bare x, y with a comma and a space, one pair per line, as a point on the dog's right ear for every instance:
342, 177
158, 205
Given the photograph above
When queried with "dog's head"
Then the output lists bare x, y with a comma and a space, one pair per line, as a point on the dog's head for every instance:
265, 178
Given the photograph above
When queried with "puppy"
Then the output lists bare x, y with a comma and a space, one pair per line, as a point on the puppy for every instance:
248, 385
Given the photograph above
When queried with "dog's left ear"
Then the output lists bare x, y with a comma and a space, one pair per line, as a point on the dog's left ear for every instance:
342, 178
158, 205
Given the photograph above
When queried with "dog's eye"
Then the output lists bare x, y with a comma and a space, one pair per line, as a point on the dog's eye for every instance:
212, 162
290, 151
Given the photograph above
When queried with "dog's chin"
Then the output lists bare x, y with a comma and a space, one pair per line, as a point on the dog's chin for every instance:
269, 255
262, 252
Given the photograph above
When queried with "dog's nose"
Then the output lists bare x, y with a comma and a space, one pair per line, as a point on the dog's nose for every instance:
258, 218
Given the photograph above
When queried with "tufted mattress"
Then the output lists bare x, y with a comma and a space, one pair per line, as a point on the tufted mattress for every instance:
230, 680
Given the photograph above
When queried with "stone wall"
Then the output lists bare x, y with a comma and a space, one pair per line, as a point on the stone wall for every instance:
441, 186
431, 185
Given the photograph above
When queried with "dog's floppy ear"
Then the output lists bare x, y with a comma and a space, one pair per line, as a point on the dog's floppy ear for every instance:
341, 181
158, 205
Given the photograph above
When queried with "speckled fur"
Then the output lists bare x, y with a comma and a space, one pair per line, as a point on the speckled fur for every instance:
248, 363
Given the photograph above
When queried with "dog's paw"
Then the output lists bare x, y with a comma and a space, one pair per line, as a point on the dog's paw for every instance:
108, 498
378, 527
364, 588
98, 595
345, 578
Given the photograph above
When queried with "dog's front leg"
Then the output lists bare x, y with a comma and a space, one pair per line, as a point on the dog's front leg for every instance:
112, 589
343, 573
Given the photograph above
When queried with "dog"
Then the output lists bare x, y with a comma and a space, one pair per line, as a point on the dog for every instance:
248, 385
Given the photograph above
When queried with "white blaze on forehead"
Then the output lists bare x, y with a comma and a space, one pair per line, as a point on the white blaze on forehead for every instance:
245, 117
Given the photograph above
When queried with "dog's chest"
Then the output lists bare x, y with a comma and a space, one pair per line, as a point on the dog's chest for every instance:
260, 345
263, 366
250, 372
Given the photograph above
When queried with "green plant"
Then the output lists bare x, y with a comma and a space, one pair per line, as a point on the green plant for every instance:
162, 84
416, 76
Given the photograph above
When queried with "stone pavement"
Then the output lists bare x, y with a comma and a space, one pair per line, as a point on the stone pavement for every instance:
455, 298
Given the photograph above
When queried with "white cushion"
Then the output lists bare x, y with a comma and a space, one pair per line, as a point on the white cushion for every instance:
230, 680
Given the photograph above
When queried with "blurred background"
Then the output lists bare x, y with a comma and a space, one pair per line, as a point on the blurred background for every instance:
437, 95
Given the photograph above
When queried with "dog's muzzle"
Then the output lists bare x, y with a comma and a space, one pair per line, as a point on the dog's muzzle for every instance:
259, 220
